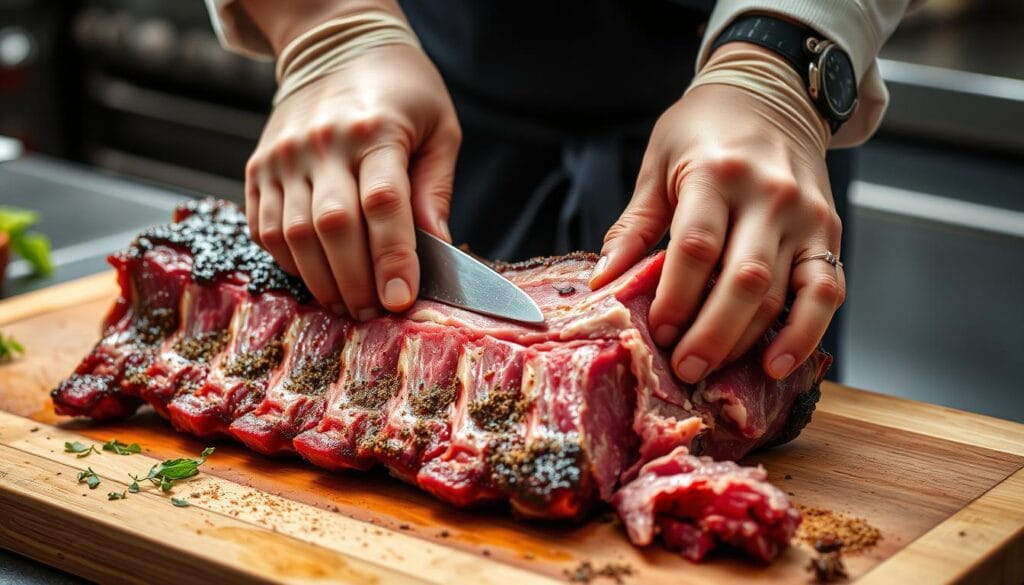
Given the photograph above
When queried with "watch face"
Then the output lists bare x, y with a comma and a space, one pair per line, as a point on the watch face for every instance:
838, 82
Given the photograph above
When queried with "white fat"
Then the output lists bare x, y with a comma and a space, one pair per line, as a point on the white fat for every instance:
642, 366
531, 376
600, 322
275, 385
406, 360
466, 377
235, 326
737, 412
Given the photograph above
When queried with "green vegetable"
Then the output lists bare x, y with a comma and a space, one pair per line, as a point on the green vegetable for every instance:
117, 495
121, 448
164, 474
34, 247
180, 503
79, 448
89, 476
8, 347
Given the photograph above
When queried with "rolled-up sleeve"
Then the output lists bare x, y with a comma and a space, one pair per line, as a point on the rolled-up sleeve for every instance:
860, 27
236, 31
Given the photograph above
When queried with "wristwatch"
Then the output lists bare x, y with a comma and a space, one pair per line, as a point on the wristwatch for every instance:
830, 78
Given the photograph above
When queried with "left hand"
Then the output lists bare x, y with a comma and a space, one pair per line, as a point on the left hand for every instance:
738, 191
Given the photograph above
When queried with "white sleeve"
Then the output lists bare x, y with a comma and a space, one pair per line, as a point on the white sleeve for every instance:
860, 27
236, 31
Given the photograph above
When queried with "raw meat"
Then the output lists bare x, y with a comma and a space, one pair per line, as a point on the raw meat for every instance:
696, 502
552, 418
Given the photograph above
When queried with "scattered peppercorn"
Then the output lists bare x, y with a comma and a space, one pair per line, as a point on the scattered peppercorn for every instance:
855, 533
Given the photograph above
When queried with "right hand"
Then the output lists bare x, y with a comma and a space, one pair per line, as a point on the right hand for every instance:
345, 168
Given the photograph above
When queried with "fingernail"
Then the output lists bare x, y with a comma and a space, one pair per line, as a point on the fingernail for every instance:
665, 335
691, 369
442, 227
780, 366
368, 314
602, 263
396, 293
338, 308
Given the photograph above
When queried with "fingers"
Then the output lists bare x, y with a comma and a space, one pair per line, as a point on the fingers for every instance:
697, 236
384, 193
771, 306
271, 231
252, 203
301, 237
637, 230
431, 175
746, 278
820, 290
339, 227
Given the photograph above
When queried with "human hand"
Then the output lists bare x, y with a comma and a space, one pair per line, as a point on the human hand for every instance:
345, 168
742, 189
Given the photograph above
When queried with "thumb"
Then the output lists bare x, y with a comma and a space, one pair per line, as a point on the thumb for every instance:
431, 175
639, 228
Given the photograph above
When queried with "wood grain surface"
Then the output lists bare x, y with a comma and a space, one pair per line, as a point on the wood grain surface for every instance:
944, 487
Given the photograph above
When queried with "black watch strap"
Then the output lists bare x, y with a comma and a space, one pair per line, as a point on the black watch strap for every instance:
789, 41
780, 36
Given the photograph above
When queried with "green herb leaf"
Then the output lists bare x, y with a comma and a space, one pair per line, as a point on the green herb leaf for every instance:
180, 503
165, 473
89, 476
117, 495
8, 347
34, 247
121, 448
79, 448
134, 487
13, 219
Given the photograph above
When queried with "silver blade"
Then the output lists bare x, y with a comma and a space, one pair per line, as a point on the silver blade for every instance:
450, 276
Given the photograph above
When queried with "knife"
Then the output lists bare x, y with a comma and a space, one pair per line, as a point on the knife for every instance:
451, 276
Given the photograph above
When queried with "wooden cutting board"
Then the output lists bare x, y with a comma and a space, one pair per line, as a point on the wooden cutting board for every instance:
944, 487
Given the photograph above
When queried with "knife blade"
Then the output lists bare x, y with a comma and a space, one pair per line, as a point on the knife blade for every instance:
451, 276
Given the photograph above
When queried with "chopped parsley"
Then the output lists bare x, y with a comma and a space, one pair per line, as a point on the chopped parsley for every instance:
121, 448
33, 247
180, 503
164, 474
79, 449
8, 348
117, 495
89, 476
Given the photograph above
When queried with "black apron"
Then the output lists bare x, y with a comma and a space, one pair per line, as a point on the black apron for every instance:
556, 102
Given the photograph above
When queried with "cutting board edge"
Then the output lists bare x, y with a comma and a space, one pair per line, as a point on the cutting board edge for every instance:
133, 550
19, 437
923, 418
59, 296
1001, 561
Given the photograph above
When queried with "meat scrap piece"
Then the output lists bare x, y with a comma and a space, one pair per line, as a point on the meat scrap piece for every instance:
552, 418
696, 503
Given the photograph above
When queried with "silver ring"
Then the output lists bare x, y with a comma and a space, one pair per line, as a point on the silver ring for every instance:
827, 256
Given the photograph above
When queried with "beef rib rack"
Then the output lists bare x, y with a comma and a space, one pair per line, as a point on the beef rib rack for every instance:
554, 418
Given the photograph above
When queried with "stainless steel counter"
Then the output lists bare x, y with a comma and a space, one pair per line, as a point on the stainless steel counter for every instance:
86, 214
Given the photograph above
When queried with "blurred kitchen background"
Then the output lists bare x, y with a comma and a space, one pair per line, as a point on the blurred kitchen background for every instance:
103, 90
